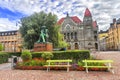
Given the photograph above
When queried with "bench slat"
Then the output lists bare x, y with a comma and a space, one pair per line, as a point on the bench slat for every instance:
57, 65
100, 61
59, 61
98, 66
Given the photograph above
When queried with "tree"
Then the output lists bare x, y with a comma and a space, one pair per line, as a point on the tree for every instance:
58, 38
31, 26
1, 47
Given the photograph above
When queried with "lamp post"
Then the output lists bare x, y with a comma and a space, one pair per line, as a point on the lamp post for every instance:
16, 38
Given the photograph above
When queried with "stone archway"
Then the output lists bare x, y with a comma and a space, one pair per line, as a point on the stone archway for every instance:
76, 46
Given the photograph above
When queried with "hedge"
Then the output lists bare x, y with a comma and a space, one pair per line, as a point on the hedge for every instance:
75, 55
18, 54
36, 54
3, 57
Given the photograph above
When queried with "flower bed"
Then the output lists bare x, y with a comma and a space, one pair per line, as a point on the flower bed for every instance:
31, 67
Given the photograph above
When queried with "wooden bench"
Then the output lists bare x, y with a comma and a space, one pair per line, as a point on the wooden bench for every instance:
107, 62
58, 63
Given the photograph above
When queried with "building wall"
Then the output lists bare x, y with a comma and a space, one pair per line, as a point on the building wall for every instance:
113, 41
79, 36
11, 41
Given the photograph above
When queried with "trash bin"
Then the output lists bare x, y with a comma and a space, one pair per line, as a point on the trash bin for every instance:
14, 61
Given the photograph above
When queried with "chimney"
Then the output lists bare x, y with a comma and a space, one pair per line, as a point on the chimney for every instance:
114, 20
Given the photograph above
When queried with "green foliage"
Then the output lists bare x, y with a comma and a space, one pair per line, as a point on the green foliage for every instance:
26, 55
47, 55
32, 63
58, 38
31, 27
18, 54
3, 57
80, 63
75, 55
36, 54
95, 64
1, 47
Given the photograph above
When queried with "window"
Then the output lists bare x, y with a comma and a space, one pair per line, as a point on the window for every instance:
2, 34
67, 27
71, 35
68, 36
75, 35
64, 36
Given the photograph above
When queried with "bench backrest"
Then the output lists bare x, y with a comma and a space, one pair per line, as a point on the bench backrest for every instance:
59, 61
100, 61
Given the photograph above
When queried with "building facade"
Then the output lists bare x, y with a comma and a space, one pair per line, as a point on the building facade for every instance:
113, 40
103, 36
11, 41
80, 34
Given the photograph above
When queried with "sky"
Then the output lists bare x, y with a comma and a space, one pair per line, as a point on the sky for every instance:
103, 11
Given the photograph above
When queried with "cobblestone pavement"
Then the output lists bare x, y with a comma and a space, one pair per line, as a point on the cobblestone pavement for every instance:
5, 66
9, 74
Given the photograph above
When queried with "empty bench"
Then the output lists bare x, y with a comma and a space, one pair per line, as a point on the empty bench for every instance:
58, 63
107, 62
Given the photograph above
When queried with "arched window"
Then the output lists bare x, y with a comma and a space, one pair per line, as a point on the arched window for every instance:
68, 36
95, 37
75, 35
64, 35
96, 46
76, 46
72, 35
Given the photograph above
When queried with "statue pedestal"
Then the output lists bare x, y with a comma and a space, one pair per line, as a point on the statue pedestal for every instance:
43, 47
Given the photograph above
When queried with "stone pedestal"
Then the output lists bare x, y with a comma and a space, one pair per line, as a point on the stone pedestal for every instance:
43, 47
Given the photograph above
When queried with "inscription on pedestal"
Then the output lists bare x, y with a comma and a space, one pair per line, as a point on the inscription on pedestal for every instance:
43, 47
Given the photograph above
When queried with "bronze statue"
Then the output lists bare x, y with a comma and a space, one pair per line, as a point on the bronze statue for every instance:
43, 37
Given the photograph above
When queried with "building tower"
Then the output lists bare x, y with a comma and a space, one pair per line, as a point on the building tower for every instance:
90, 31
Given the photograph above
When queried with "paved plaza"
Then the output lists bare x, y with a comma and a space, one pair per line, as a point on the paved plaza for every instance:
7, 74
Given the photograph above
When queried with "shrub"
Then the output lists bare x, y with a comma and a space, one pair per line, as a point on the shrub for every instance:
26, 55
47, 55
80, 63
32, 63
3, 57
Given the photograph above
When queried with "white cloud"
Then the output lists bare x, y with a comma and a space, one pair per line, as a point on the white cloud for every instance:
103, 11
6, 25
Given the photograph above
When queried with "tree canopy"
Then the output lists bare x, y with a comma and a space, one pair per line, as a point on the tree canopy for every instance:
31, 26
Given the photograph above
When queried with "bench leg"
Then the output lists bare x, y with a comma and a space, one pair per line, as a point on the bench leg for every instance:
112, 70
87, 70
67, 69
48, 69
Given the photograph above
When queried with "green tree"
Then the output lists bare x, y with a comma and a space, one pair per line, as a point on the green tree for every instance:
1, 47
31, 26
58, 38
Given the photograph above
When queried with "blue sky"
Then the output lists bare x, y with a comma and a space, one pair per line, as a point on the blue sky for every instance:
103, 11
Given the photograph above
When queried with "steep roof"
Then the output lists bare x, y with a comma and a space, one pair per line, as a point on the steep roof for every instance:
74, 18
94, 24
87, 13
